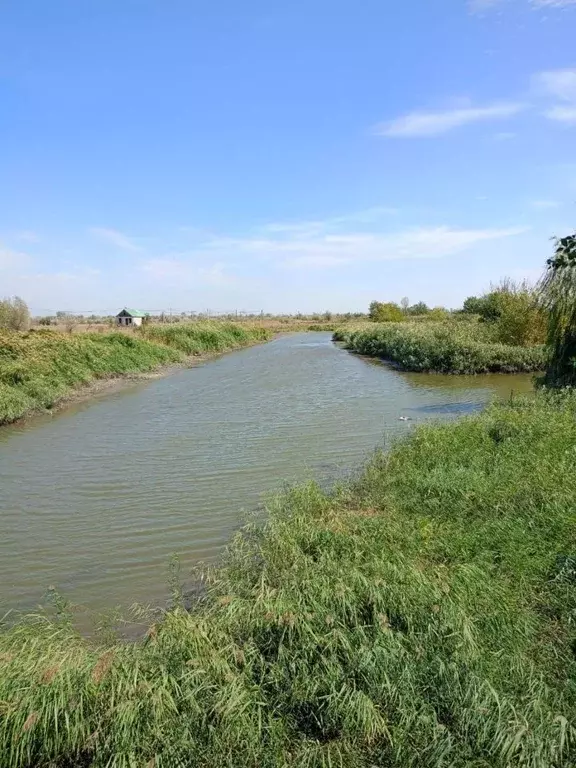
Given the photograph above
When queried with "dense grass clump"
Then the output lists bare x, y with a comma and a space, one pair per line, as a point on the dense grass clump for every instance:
420, 616
205, 338
40, 368
444, 347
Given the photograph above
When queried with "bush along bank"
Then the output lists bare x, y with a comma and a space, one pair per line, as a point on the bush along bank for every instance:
39, 369
420, 616
463, 348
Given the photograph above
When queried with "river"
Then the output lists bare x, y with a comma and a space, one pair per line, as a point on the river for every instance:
96, 499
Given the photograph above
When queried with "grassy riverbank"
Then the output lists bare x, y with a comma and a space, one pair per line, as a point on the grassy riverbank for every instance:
39, 369
450, 347
422, 616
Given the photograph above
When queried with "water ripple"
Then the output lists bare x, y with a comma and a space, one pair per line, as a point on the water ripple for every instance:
96, 499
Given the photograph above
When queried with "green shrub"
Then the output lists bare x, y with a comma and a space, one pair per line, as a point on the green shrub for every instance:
444, 347
14, 314
515, 312
438, 315
385, 312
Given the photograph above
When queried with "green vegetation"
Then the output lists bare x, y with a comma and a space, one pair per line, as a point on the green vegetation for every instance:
558, 296
204, 338
502, 331
515, 312
448, 347
388, 312
40, 368
420, 616
14, 314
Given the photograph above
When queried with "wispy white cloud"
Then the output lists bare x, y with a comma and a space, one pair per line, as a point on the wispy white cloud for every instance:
419, 124
11, 259
562, 114
545, 205
25, 236
115, 238
303, 229
178, 268
324, 246
553, 3
82, 275
477, 6
558, 84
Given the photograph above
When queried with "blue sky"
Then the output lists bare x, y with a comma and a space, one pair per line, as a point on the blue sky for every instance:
288, 156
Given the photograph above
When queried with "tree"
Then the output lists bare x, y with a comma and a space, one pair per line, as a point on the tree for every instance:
388, 312
487, 306
14, 314
70, 322
405, 303
557, 292
419, 309
438, 314
472, 305
521, 319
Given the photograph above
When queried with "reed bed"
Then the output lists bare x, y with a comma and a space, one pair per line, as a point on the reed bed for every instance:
450, 347
421, 615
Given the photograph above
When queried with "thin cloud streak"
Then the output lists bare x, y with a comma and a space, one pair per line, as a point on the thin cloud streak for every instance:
424, 124
26, 236
544, 205
553, 3
562, 114
325, 249
115, 238
478, 6
559, 84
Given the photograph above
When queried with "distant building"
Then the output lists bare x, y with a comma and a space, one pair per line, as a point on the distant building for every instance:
130, 317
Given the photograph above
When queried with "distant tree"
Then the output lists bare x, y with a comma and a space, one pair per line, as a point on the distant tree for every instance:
328, 315
472, 305
45, 320
438, 314
513, 310
70, 322
487, 306
419, 309
387, 312
405, 303
14, 314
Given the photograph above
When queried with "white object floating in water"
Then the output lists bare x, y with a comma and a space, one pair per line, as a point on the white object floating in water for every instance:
404, 418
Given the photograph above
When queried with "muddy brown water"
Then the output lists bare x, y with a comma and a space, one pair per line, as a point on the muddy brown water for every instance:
96, 499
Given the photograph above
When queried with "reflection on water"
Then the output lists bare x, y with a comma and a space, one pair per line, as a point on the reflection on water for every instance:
96, 499
446, 408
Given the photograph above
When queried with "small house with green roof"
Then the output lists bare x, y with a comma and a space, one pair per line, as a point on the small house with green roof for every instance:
130, 318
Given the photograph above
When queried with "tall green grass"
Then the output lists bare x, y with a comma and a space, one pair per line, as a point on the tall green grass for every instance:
40, 368
420, 616
450, 347
205, 338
